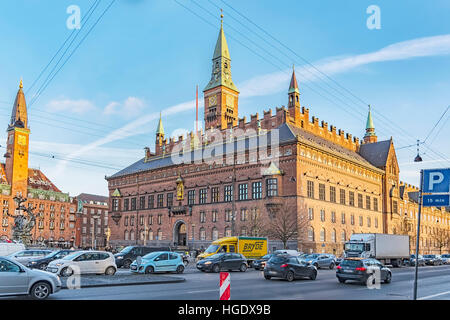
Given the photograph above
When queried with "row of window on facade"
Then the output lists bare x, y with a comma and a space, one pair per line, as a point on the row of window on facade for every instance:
343, 218
203, 194
92, 211
342, 196
99, 221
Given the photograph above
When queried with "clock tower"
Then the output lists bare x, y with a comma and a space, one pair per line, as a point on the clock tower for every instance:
221, 95
17, 146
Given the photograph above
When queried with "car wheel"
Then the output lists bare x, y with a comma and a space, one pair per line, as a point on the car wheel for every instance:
149, 269
267, 277
243, 267
290, 276
332, 265
43, 266
313, 275
388, 278
316, 265
216, 268
40, 291
66, 272
110, 271
126, 264
341, 280
180, 269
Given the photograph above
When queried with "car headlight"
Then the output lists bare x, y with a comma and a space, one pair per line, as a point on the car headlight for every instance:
119, 257
33, 262
59, 264
208, 262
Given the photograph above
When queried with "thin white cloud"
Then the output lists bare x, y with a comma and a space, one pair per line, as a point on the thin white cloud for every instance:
276, 82
131, 107
67, 105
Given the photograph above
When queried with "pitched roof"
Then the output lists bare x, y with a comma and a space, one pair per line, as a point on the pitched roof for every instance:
293, 87
376, 153
286, 133
38, 180
87, 197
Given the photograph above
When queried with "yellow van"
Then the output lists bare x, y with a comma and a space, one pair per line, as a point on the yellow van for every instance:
251, 247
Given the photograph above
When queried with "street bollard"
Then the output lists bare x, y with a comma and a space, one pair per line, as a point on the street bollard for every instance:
225, 286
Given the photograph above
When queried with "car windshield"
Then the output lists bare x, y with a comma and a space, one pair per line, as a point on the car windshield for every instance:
126, 249
70, 256
445, 256
429, 256
51, 254
216, 256
212, 248
311, 256
267, 256
351, 263
151, 255
277, 259
359, 247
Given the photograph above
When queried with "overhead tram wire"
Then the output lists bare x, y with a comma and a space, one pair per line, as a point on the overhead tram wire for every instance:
87, 16
394, 127
434, 127
306, 85
73, 51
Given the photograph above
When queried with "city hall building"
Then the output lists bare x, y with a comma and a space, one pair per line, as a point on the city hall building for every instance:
54, 210
333, 183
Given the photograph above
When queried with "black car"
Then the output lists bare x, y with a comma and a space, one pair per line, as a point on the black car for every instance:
432, 259
128, 254
41, 263
360, 269
289, 268
260, 263
223, 261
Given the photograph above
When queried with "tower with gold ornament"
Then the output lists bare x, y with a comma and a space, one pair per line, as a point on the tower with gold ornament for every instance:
221, 95
17, 146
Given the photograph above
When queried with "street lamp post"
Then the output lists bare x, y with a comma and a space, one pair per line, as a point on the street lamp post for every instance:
94, 238
233, 213
418, 236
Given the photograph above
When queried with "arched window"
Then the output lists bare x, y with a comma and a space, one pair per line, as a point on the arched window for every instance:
202, 234
131, 235
322, 235
215, 233
227, 232
160, 234
126, 235
244, 231
142, 235
343, 236
150, 234
333, 235
311, 234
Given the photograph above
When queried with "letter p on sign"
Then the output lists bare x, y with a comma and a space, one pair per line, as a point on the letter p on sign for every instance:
436, 181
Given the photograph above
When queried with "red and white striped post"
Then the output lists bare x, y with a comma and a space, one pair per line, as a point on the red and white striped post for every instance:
224, 286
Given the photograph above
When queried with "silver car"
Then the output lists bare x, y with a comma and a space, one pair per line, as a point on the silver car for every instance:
445, 258
25, 256
16, 279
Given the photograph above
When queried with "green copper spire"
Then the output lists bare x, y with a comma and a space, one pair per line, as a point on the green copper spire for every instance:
370, 128
293, 87
160, 129
221, 70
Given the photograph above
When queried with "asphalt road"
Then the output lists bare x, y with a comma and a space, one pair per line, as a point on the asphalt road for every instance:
434, 283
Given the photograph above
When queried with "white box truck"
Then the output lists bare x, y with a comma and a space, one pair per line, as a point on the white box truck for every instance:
387, 248
6, 248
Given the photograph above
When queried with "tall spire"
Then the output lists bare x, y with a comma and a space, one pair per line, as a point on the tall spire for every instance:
293, 87
160, 128
370, 135
221, 71
19, 115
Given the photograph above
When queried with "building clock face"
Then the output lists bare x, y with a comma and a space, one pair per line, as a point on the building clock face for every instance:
230, 101
21, 140
212, 101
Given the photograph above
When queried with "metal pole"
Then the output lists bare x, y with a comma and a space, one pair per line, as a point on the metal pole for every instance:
233, 213
418, 236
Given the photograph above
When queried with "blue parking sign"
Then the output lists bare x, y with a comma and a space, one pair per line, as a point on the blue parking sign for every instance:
436, 181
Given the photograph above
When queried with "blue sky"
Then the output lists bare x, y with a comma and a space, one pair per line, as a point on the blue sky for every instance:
147, 56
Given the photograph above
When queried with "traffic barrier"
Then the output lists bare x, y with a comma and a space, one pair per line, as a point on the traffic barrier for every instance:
225, 286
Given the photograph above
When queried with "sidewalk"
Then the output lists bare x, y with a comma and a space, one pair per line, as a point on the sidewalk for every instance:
122, 279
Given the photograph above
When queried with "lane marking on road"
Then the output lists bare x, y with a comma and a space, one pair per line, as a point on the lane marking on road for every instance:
200, 291
434, 295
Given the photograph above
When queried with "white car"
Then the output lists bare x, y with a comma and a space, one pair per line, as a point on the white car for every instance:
445, 258
294, 253
16, 279
84, 262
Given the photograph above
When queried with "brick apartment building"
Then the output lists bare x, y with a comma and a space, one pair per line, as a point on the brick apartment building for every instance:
92, 221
